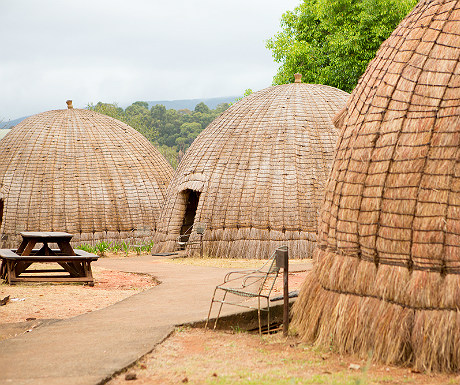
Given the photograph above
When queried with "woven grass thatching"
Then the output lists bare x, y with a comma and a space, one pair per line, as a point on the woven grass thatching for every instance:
387, 267
259, 170
82, 172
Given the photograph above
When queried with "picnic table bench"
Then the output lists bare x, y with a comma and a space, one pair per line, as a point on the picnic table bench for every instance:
76, 263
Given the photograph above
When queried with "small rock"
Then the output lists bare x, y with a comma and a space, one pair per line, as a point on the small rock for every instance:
185, 380
354, 367
214, 374
143, 366
130, 376
31, 319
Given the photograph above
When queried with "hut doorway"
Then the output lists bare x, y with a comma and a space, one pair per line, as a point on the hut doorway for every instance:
192, 198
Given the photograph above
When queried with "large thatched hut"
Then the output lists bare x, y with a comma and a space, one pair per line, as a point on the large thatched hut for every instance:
386, 277
82, 172
255, 175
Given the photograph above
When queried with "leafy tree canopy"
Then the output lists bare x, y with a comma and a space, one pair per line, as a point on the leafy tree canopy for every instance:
332, 41
171, 131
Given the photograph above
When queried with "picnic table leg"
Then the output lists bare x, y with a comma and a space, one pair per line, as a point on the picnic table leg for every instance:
88, 272
75, 269
11, 272
20, 267
3, 269
28, 247
22, 246
66, 248
45, 250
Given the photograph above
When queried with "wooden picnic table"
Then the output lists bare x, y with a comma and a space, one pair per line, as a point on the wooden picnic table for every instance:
76, 263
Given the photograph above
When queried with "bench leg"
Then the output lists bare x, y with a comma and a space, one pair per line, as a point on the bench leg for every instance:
210, 308
11, 272
3, 271
75, 269
79, 270
220, 309
88, 272
20, 267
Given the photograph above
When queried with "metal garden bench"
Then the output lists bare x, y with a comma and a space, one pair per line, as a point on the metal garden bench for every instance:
247, 285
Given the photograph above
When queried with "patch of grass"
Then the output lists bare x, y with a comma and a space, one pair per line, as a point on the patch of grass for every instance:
102, 247
236, 329
137, 249
87, 248
281, 377
116, 247
147, 248
125, 247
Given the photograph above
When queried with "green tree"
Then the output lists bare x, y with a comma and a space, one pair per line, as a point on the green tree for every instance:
203, 108
222, 107
188, 133
171, 131
109, 109
247, 92
158, 112
170, 154
332, 41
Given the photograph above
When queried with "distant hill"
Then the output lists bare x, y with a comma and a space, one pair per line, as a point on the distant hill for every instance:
12, 123
190, 104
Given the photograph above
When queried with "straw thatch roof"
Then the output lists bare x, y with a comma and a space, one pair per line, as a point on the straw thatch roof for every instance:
82, 172
257, 173
387, 267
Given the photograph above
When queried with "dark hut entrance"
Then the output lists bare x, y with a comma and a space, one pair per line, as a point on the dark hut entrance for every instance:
192, 198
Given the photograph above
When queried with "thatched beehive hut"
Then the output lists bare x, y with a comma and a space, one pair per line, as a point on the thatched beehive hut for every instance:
255, 175
386, 279
82, 172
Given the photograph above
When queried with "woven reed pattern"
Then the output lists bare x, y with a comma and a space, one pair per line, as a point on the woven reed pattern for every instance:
261, 168
81, 172
388, 256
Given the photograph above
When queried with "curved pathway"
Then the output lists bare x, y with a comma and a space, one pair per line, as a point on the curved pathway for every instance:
90, 348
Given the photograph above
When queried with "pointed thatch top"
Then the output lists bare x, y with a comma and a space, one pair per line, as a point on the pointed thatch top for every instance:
260, 166
81, 172
389, 233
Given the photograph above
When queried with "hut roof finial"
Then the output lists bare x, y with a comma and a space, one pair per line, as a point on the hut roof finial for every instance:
69, 104
298, 78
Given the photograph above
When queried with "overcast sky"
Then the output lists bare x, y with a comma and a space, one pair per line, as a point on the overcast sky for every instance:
129, 50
